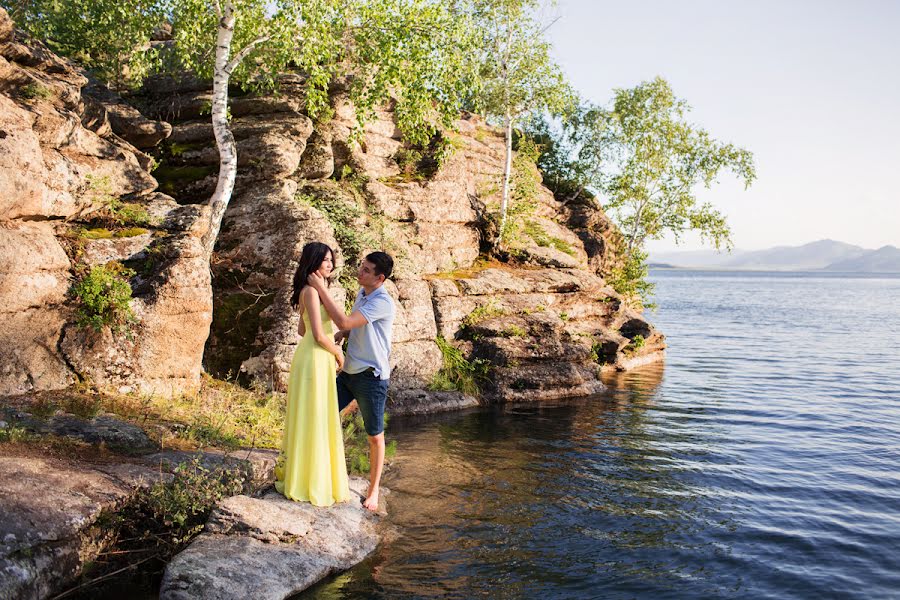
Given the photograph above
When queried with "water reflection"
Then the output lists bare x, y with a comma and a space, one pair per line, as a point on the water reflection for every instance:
528, 500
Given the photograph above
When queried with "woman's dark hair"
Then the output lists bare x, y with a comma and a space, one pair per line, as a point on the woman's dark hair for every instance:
310, 261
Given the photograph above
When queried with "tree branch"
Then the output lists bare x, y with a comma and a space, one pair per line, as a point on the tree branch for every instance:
236, 60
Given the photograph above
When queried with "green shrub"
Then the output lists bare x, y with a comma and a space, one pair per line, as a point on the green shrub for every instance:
630, 281
180, 507
103, 297
514, 331
15, 434
115, 212
458, 373
636, 343
540, 236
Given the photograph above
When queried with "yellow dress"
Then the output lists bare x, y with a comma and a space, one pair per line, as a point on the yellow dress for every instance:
312, 467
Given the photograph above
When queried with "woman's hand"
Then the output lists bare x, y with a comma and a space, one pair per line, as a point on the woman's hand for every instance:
339, 359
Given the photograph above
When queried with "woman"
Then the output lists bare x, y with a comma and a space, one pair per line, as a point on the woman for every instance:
313, 448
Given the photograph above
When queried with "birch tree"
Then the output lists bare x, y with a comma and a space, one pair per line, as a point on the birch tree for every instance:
408, 50
656, 160
517, 73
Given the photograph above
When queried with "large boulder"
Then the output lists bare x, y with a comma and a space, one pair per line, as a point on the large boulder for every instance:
294, 543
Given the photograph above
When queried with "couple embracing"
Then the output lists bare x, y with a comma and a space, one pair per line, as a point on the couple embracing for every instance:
324, 382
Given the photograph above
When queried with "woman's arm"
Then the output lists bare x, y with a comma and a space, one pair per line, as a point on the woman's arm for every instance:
310, 299
301, 327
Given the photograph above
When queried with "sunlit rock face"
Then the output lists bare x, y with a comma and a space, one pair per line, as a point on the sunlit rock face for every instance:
62, 161
543, 318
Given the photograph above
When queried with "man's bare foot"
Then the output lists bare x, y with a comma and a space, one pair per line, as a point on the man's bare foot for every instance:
371, 501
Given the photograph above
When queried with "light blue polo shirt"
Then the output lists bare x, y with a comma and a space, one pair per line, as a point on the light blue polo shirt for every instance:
370, 345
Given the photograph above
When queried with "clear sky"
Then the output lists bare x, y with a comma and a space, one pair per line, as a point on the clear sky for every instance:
812, 88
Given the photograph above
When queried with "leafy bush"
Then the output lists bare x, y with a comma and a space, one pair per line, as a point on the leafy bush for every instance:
458, 373
103, 297
115, 212
630, 280
110, 37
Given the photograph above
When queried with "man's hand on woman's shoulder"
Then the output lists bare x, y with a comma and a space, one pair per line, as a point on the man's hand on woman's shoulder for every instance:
316, 281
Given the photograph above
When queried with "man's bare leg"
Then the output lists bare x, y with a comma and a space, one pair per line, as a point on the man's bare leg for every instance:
350, 408
376, 464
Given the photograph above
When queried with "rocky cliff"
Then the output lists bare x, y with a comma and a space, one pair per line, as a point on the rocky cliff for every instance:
540, 313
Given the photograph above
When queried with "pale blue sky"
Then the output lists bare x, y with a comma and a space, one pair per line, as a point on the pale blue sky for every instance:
811, 87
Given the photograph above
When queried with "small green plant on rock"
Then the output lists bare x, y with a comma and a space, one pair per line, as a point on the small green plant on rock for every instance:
35, 91
115, 212
630, 280
480, 313
103, 297
514, 331
459, 374
636, 343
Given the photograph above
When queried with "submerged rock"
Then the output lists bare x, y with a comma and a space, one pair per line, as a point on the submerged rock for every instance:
270, 548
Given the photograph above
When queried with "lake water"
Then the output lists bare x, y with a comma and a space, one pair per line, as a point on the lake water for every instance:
760, 462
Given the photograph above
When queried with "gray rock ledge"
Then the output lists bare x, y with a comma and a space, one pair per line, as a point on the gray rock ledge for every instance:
270, 548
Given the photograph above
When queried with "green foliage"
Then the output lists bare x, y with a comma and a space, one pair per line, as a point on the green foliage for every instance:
458, 373
661, 158
514, 331
178, 509
115, 212
110, 37
409, 49
637, 342
15, 435
630, 280
103, 297
516, 72
35, 91
356, 444
480, 313
646, 159
525, 181
540, 236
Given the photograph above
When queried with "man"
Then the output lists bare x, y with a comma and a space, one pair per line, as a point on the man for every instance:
366, 368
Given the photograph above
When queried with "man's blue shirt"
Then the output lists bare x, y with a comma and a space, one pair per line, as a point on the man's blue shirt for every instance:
370, 345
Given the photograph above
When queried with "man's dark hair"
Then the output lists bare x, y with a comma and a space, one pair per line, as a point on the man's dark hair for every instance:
384, 264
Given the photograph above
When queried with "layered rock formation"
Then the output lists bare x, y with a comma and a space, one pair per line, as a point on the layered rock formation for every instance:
63, 159
544, 317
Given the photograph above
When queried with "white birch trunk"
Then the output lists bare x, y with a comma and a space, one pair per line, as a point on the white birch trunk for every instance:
224, 138
507, 172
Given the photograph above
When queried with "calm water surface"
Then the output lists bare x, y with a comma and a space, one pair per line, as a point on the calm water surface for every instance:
760, 462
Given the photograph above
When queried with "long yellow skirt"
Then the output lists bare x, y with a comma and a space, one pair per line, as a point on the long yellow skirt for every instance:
312, 467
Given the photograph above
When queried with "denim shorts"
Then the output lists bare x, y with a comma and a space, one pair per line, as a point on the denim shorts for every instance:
370, 393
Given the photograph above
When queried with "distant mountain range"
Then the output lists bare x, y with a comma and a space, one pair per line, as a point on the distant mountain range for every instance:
826, 255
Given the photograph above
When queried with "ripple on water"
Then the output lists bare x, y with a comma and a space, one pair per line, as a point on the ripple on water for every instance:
761, 462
